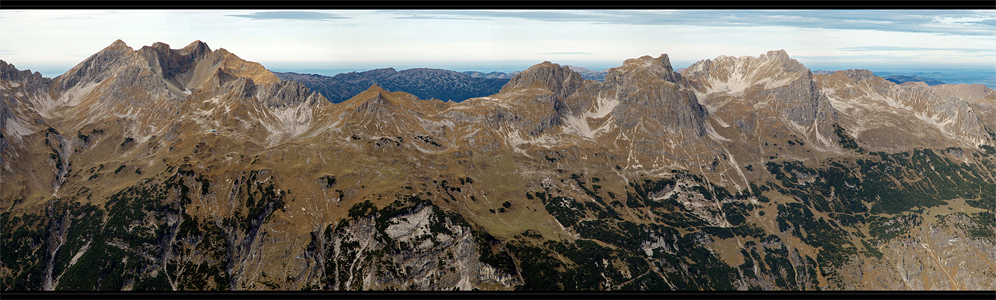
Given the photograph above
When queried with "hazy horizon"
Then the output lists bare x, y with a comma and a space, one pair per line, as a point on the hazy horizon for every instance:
53, 41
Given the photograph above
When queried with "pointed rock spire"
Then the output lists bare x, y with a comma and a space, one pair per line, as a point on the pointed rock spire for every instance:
118, 44
659, 67
195, 49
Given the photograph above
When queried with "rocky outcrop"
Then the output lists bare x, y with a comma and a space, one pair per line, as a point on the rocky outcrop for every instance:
288, 93
25, 77
421, 249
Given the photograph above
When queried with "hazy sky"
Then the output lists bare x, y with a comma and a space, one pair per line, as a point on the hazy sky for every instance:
321, 41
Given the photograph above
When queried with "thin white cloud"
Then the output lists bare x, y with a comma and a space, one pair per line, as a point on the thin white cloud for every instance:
568, 53
290, 15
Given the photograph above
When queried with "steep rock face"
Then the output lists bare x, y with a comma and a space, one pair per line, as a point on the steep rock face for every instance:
560, 80
97, 67
334, 90
287, 93
648, 89
17, 87
11, 73
174, 65
535, 100
24, 99
644, 68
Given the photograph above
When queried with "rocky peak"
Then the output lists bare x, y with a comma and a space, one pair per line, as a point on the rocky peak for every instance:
118, 44
10, 72
779, 55
165, 61
651, 67
560, 80
375, 100
221, 63
97, 67
195, 49
735, 75
771, 62
787, 63
159, 46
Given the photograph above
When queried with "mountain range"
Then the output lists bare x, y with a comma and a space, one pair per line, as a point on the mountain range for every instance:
193, 169
585, 73
908, 78
424, 83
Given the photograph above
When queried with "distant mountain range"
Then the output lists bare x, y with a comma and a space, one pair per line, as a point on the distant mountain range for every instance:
907, 78
494, 75
424, 83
